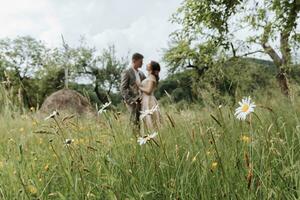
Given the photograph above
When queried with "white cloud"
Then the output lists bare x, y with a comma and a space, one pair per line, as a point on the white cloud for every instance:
145, 35
131, 25
28, 17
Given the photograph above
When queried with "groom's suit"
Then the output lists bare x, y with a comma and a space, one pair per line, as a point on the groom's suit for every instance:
131, 94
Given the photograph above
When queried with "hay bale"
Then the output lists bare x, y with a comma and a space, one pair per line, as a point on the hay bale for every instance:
67, 100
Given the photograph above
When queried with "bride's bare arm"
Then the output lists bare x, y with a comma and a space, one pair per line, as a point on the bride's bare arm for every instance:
148, 88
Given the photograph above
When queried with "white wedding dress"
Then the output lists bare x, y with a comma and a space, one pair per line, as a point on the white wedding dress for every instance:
152, 121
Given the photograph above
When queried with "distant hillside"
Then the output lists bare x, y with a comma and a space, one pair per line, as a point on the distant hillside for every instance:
260, 62
246, 75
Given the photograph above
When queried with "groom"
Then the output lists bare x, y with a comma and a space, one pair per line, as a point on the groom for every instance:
129, 89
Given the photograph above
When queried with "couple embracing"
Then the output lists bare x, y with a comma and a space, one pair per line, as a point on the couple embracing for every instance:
137, 91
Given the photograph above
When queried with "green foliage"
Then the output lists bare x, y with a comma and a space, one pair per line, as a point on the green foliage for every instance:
204, 16
20, 59
104, 70
294, 75
23, 55
178, 85
8, 103
221, 83
34, 71
181, 56
218, 20
268, 23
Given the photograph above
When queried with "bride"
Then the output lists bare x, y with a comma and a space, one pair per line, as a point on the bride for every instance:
149, 106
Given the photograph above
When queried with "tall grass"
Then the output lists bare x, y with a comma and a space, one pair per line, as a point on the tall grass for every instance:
8, 102
202, 153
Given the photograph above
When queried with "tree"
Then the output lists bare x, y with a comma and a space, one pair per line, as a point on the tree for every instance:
22, 58
182, 56
104, 70
178, 85
35, 71
275, 22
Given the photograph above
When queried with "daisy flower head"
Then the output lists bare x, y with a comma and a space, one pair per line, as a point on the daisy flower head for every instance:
142, 140
68, 142
148, 112
145, 139
168, 95
103, 108
53, 115
153, 135
246, 107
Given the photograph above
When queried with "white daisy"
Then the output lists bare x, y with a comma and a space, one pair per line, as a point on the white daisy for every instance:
68, 142
142, 140
153, 135
148, 112
246, 107
103, 108
54, 114
168, 95
145, 139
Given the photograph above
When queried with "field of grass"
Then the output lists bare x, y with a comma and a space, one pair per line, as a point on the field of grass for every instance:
200, 153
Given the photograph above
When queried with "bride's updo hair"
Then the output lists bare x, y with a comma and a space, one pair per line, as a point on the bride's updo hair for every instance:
155, 69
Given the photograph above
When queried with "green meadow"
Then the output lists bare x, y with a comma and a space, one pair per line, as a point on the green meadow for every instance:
199, 153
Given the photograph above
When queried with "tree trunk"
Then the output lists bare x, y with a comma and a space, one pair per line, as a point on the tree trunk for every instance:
282, 75
290, 24
283, 82
102, 98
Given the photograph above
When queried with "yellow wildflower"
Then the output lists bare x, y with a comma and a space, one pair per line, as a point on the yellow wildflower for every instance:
46, 167
32, 189
214, 165
245, 139
81, 141
195, 157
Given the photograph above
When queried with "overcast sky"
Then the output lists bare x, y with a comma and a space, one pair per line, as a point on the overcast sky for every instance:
131, 25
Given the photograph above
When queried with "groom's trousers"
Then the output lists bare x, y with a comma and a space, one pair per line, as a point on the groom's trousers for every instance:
134, 110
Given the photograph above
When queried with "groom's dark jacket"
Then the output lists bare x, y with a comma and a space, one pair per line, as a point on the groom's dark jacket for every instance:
129, 90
